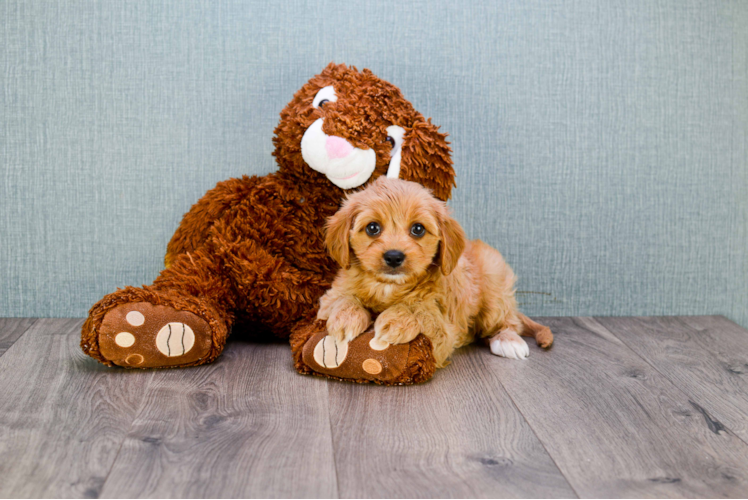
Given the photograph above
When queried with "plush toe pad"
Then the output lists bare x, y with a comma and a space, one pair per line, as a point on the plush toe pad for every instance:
141, 335
362, 358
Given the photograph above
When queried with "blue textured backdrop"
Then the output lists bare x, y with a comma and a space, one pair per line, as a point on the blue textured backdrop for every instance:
601, 146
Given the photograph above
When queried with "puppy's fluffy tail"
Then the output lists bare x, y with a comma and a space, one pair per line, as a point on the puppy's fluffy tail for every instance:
542, 334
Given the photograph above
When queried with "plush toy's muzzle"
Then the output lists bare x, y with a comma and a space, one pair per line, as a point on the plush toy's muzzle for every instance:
345, 165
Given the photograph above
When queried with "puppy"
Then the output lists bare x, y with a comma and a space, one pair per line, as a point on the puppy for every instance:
404, 259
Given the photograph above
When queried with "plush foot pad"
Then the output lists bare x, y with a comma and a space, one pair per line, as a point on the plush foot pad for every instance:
141, 335
509, 345
364, 358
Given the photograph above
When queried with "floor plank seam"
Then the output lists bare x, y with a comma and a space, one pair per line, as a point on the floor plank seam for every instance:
332, 439
692, 400
126, 435
553, 459
33, 322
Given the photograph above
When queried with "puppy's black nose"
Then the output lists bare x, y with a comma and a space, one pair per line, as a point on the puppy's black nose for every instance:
394, 258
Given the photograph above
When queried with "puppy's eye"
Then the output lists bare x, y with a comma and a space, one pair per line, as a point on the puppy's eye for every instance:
323, 102
373, 229
417, 230
391, 141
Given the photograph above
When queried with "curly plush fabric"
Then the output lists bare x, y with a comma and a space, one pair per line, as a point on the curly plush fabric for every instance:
252, 249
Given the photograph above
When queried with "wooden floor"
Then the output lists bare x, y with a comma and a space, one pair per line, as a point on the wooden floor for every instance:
631, 407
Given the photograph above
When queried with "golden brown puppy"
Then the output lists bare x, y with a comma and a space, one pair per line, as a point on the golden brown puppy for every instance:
404, 258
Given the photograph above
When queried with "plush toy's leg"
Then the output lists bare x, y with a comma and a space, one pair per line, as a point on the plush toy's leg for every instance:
362, 360
182, 319
285, 298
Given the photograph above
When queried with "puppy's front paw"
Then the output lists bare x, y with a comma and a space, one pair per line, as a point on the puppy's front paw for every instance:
348, 322
396, 327
509, 345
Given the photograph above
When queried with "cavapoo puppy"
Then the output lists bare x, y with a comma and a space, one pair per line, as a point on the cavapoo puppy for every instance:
404, 259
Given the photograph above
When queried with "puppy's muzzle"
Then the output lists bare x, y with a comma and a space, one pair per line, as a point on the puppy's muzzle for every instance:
394, 258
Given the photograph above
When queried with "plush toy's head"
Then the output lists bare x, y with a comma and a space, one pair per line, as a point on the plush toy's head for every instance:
346, 127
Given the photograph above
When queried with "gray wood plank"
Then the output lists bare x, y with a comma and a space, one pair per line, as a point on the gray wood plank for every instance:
614, 425
11, 329
706, 356
63, 415
244, 426
459, 435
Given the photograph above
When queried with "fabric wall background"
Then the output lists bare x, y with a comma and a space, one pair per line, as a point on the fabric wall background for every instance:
601, 146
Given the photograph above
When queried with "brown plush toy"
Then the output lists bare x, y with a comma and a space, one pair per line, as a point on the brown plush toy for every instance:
251, 251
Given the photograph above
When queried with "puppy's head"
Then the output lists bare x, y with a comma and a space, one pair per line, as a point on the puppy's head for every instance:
395, 230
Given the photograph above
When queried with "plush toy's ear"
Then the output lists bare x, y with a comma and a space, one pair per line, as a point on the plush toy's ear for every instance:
332, 69
337, 237
426, 159
452, 243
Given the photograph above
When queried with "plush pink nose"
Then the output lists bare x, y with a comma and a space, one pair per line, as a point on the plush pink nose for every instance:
337, 147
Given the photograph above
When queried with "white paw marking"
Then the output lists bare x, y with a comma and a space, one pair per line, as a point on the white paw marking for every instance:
330, 353
135, 318
378, 345
175, 339
124, 339
514, 348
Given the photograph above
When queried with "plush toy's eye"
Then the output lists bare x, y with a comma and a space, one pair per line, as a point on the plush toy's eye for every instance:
324, 96
417, 230
373, 229
391, 141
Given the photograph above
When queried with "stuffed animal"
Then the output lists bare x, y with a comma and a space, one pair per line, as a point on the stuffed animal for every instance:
251, 251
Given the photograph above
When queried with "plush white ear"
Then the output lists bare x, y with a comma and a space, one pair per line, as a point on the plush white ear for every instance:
347, 172
397, 134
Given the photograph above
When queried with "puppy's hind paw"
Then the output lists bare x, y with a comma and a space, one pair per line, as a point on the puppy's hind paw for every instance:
509, 345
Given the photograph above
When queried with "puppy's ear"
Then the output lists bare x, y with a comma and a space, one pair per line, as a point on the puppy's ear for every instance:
452, 243
426, 159
338, 235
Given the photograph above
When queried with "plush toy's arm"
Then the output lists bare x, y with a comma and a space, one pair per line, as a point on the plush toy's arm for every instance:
273, 290
195, 226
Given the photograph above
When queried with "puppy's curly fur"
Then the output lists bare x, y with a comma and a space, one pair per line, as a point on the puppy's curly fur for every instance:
405, 260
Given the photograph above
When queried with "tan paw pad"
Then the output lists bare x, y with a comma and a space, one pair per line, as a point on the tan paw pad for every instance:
372, 366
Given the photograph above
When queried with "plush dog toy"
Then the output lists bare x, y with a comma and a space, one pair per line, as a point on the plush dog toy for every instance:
251, 251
